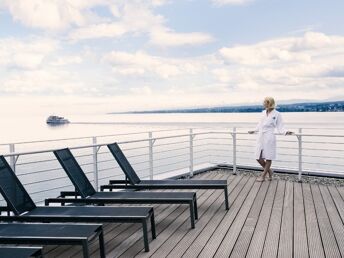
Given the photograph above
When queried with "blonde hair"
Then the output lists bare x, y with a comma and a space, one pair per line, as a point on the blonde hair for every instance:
270, 102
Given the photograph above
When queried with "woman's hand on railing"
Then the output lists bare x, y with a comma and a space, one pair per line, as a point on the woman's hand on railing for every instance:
289, 133
251, 132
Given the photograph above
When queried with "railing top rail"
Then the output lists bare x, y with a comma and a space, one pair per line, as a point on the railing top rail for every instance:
303, 134
102, 144
294, 134
98, 136
158, 138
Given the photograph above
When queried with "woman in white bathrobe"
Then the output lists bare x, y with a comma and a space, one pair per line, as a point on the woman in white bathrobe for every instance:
270, 121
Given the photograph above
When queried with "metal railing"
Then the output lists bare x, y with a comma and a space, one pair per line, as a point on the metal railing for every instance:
166, 153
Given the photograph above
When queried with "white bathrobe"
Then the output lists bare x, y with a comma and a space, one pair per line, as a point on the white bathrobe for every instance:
266, 140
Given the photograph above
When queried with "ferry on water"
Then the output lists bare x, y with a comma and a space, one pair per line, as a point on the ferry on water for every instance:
57, 120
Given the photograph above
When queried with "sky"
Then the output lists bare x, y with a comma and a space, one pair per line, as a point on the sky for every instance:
123, 55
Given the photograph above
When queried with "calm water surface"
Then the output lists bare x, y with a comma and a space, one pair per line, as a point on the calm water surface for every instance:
33, 127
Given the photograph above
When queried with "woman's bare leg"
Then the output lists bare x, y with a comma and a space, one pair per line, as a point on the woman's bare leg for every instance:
267, 168
262, 162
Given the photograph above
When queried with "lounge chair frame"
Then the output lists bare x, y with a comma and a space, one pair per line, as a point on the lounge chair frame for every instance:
21, 252
53, 234
89, 195
25, 210
132, 180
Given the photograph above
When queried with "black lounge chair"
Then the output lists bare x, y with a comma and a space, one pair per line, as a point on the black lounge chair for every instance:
132, 180
24, 209
89, 195
51, 234
20, 252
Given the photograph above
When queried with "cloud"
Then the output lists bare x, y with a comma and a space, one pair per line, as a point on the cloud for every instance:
292, 49
231, 2
312, 62
25, 54
263, 53
129, 18
53, 14
42, 81
112, 30
314, 40
337, 72
142, 64
80, 20
172, 39
38, 65
67, 60
145, 90
159, 2
137, 18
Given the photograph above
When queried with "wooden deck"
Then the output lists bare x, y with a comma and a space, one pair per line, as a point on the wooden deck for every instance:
269, 219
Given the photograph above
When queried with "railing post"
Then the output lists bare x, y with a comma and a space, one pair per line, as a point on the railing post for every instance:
95, 163
12, 158
234, 150
299, 138
151, 142
191, 152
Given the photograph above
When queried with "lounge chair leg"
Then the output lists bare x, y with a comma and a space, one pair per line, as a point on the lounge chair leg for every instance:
196, 208
226, 198
145, 235
101, 245
153, 225
85, 248
192, 214
40, 254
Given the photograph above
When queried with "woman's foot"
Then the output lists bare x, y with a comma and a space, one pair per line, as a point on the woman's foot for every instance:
260, 179
271, 172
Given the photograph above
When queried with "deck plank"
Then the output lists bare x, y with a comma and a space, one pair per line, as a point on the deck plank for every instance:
327, 235
257, 242
197, 242
341, 191
300, 235
165, 228
215, 240
336, 221
247, 226
285, 247
338, 201
315, 246
131, 247
272, 237
184, 239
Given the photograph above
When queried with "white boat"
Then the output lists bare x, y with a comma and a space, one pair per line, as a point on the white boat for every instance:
57, 120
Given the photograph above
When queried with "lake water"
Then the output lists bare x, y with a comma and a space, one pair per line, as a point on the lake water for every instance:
320, 153
33, 127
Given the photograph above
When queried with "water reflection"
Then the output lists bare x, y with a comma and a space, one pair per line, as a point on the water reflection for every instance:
57, 126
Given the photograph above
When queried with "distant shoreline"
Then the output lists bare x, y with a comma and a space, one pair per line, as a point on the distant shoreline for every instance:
333, 106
